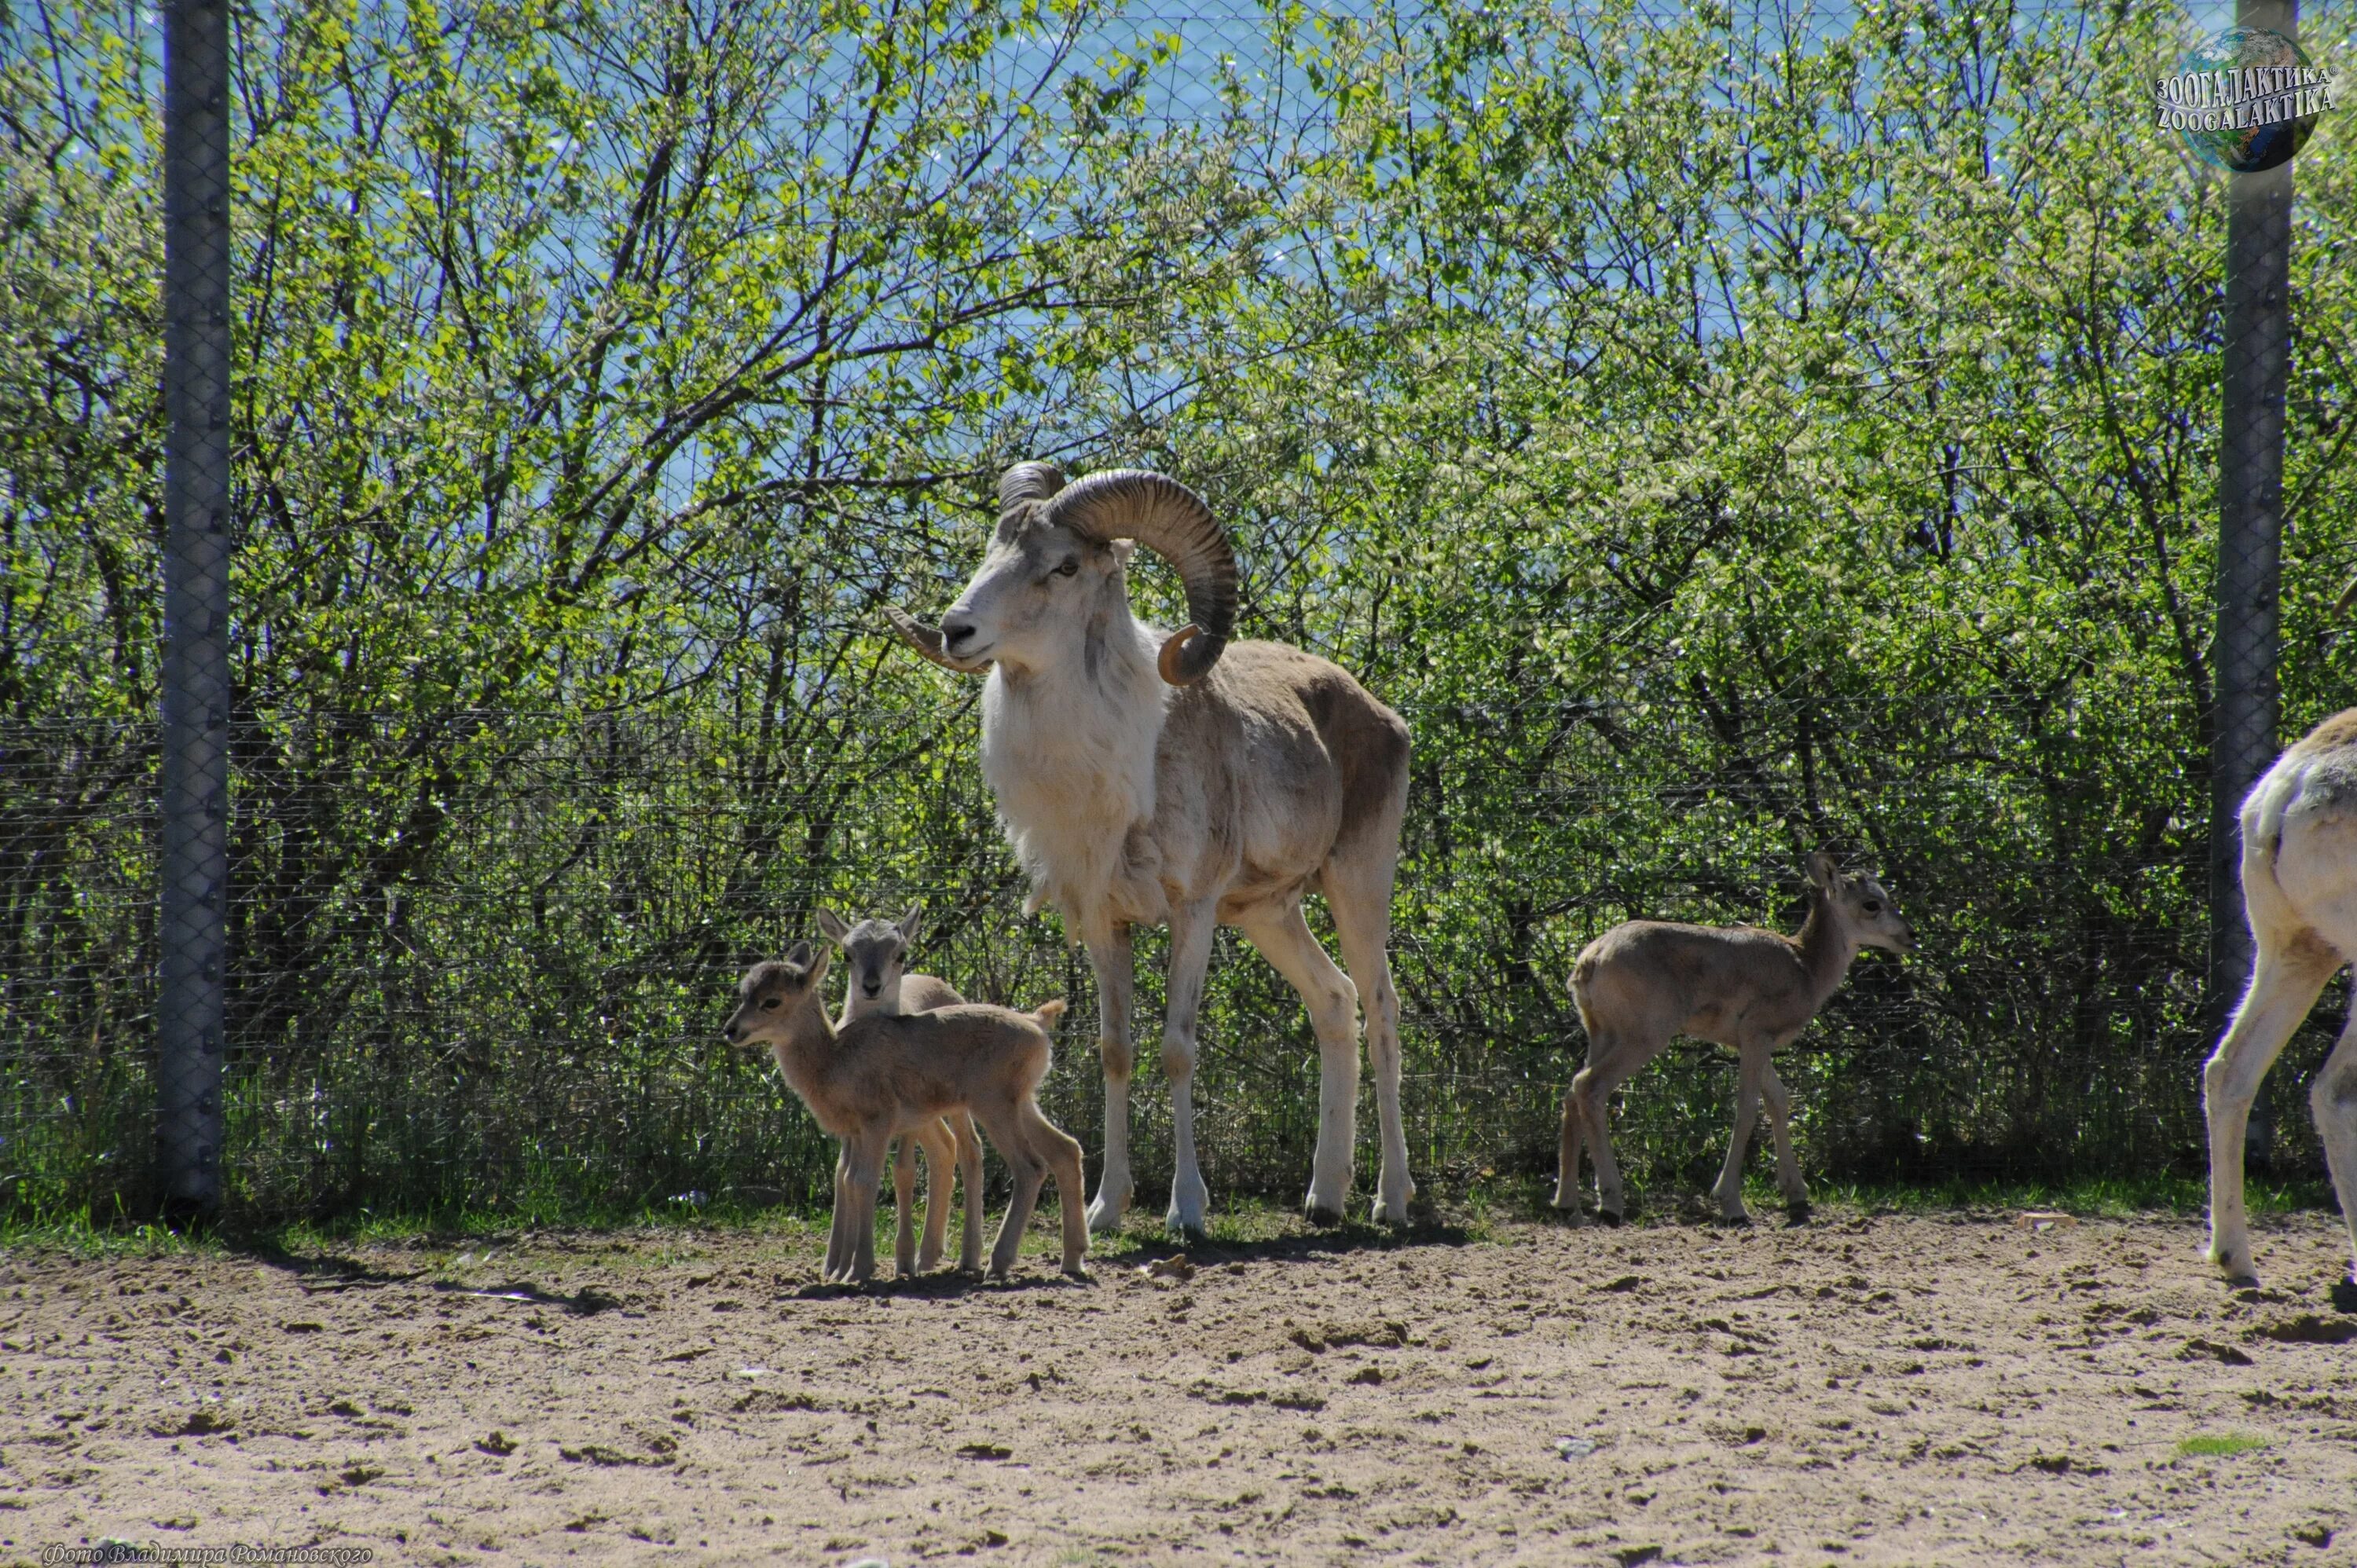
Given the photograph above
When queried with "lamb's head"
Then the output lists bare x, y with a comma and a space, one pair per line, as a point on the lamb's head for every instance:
772, 993
1862, 905
875, 955
1055, 566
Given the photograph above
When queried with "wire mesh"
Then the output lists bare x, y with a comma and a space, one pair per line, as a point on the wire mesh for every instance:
522, 1010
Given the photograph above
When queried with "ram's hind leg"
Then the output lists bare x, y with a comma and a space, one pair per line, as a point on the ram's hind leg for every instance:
1357, 882
1192, 927
1284, 938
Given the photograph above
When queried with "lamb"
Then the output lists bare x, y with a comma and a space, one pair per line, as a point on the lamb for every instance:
875, 954
1753, 990
1146, 776
2299, 892
886, 1074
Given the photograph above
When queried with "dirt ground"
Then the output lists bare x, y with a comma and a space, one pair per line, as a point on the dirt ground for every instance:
1870, 1389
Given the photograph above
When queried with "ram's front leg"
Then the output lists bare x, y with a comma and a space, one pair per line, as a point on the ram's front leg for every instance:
1110, 960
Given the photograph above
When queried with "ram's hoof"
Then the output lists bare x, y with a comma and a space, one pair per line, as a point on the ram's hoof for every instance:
1325, 1219
2344, 1295
1799, 1213
1609, 1216
1733, 1221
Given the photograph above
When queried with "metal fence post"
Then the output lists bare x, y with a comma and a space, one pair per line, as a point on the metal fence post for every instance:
192, 915
2250, 546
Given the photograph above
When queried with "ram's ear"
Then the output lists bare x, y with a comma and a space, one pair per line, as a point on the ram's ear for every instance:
912, 923
1822, 872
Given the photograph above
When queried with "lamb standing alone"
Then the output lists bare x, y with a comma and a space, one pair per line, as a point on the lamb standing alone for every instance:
1643, 981
888, 1073
875, 954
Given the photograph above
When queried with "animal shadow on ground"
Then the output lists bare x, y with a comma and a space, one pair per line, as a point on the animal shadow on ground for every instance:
1322, 1244
332, 1272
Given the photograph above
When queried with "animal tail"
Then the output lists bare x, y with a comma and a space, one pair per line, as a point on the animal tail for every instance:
1583, 974
1046, 1012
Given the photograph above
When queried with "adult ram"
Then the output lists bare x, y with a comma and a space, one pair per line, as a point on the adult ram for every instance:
1144, 776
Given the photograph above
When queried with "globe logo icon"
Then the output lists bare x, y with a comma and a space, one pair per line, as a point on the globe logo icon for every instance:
2245, 101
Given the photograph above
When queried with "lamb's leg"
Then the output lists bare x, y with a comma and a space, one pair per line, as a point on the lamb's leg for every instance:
1592, 1087
1006, 1130
904, 1200
838, 1234
1191, 930
2284, 985
1567, 1141
1752, 1069
969, 1162
940, 1176
1110, 960
1284, 938
1060, 1154
2333, 1099
867, 1152
1358, 886
1789, 1180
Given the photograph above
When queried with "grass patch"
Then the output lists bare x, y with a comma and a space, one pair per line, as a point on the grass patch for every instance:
2218, 1445
2094, 1197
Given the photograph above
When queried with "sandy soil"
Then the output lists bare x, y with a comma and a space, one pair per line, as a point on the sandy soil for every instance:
1866, 1390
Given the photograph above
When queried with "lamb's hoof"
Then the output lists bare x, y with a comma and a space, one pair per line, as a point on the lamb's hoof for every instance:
1394, 1214
1610, 1216
1325, 1219
1733, 1222
1105, 1214
1079, 1273
1799, 1213
1566, 1214
2344, 1295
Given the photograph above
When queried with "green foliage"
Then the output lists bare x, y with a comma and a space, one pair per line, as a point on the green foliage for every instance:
1720, 437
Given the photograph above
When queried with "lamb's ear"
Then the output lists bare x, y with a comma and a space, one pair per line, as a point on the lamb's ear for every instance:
1822, 872
912, 923
798, 956
832, 924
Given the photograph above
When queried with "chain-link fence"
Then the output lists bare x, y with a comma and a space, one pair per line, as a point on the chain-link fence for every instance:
522, 1010
1720, 433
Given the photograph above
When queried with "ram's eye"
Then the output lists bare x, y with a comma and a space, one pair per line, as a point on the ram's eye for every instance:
768, 1004
1070, 564
1873, 906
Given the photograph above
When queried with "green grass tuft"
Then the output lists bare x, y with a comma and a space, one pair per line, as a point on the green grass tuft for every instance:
2218, 1445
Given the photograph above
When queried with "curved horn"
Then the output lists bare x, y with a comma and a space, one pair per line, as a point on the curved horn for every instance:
1029, 482
925, 639
1171, 521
